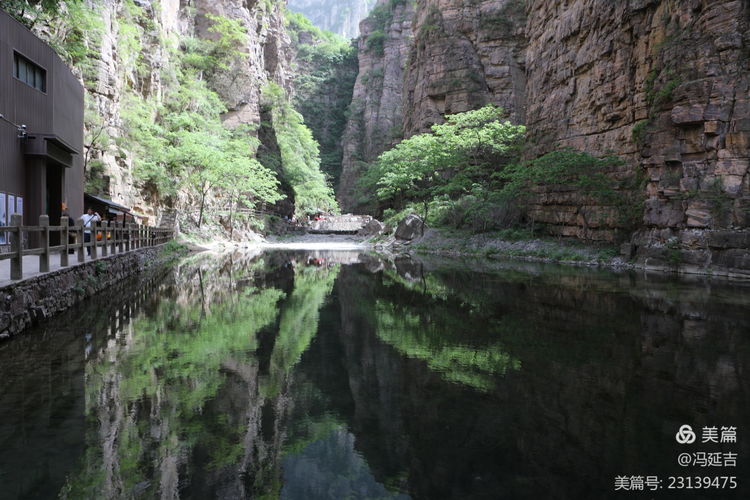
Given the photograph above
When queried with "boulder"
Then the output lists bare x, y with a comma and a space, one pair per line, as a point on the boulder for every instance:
409, 228
372, 228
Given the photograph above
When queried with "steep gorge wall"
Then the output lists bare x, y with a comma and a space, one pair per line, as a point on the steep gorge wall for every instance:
270, 54
464, 55
666, 86
326, 68
663, 85
376, 113
132, 54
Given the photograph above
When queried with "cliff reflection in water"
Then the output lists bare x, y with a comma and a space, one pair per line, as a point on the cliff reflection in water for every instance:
337, 375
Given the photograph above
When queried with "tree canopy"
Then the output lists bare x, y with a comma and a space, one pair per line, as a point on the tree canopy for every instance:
181, 143
451, 159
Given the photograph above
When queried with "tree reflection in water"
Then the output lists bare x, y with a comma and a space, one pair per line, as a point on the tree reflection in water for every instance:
321, 375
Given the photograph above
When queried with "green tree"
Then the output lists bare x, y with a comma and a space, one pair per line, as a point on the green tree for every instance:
30, 11
181, 144
222, 159
450, 160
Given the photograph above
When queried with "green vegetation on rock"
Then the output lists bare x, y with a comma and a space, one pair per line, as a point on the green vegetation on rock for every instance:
467, 174
181, 144
300, 159
326, 69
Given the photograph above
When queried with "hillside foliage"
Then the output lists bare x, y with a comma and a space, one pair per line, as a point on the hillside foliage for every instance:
326, 68
455, 159
300, 157
175, 143
468, 173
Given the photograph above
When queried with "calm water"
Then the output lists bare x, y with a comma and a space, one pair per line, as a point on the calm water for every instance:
338, 376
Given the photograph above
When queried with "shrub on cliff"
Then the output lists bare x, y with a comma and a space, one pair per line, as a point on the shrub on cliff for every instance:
587, 175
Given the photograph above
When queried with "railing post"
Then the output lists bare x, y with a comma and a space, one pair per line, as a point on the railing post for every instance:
16, 245
94, 232
64, 240
105, 249
44, 257
80, 243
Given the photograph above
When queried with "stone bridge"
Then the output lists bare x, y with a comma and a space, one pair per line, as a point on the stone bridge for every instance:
338, 224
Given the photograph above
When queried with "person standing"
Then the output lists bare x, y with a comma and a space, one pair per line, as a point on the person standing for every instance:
87, 218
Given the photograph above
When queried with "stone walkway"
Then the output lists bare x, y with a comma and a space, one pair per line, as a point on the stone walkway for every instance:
31, 266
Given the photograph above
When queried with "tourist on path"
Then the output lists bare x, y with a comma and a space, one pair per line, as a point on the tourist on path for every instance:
87, 218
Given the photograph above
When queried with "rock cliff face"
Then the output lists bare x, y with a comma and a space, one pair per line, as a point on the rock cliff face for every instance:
111, 73
376, 114
665, 85
269, 48
338, 16
464, 55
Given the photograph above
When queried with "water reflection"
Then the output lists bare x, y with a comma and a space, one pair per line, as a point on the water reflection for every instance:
304, 375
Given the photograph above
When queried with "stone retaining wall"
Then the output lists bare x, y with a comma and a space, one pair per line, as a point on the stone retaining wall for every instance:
27, 302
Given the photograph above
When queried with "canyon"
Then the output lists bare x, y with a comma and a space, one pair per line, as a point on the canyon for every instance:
662, 85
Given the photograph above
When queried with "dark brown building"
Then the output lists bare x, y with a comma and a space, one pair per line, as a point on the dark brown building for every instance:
41, 129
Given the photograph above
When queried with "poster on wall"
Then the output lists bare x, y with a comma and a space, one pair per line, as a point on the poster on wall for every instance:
3, 218
19, 205
11, 206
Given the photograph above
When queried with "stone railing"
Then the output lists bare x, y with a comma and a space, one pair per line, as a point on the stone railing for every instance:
105, 238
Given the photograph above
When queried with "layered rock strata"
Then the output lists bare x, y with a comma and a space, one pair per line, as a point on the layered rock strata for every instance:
666, 87
376, 114
464, 55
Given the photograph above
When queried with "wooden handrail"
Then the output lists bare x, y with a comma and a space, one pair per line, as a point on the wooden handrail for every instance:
115, 239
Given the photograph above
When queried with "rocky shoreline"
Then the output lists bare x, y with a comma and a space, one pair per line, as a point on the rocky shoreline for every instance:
408, 238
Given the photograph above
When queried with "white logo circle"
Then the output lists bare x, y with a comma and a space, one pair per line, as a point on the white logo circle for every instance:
685, 435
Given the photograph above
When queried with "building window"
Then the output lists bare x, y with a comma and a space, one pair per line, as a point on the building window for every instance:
29, 73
